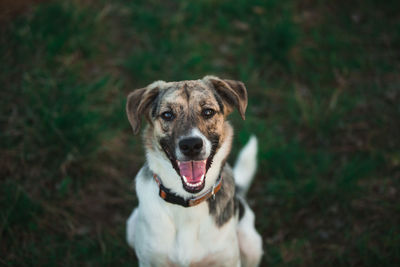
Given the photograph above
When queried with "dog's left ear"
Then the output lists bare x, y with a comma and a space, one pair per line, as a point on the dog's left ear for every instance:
138, 104
233, 93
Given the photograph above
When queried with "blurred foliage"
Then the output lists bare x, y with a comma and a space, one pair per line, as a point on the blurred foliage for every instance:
323, 82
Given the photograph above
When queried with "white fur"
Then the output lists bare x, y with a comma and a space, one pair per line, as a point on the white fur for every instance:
250, 241
165, 234
246, 165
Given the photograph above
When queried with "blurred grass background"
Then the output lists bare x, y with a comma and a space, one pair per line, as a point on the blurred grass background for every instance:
324, 92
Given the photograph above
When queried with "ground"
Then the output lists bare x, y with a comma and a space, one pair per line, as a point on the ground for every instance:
323, 80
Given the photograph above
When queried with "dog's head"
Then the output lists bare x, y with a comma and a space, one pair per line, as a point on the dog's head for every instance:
187, 133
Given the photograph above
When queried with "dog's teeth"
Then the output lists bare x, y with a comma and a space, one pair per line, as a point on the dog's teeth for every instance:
191, 184
194, 185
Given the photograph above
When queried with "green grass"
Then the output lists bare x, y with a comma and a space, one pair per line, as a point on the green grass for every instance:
323, 82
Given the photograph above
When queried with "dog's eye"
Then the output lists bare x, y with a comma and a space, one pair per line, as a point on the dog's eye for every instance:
208, 113
167, 116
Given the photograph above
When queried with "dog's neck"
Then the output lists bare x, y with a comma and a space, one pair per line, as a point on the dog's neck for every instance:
223, 207
165, 193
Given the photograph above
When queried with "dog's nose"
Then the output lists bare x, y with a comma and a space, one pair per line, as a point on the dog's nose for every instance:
191, 146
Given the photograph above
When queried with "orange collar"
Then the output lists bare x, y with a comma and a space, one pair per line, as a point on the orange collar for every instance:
170, 197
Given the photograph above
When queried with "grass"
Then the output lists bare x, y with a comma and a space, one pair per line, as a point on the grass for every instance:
323, 82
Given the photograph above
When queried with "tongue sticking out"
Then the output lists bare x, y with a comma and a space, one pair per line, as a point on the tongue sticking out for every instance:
192, 172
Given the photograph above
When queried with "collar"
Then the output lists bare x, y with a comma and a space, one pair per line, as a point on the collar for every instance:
170, 197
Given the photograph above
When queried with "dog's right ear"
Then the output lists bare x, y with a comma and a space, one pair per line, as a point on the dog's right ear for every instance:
233, 93
138, 103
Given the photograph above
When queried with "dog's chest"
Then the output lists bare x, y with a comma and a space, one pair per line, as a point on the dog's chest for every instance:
165, 234
188, 237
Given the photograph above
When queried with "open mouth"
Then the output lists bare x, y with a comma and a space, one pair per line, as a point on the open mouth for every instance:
193, 174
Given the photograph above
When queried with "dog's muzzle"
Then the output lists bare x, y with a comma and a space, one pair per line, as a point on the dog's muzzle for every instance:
192, 167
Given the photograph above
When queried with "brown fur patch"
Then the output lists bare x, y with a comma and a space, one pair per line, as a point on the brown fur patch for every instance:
187, 100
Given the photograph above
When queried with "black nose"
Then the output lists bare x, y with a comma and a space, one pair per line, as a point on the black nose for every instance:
191, 146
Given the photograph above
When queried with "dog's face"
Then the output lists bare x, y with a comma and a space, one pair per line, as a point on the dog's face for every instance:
187, 123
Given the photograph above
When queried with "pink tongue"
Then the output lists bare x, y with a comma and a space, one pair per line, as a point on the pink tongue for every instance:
192, 170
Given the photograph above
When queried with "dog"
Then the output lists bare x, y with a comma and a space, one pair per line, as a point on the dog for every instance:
192, 209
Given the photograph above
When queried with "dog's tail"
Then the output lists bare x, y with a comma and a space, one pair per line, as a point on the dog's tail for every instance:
245, 166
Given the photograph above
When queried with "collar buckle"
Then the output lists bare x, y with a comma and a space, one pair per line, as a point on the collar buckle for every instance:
213, 192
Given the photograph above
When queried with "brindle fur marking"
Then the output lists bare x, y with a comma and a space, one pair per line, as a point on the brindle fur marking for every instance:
223, 207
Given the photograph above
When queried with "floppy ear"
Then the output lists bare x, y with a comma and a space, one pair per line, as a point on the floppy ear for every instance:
138, 103
233, 94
